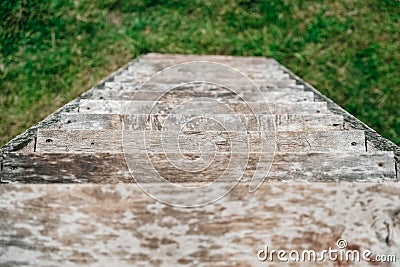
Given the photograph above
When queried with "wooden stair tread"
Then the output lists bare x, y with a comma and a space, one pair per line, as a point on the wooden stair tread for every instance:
92, 141
148, 95
129, 86
272, 73
92, 224
201, 107
111, 167
191, 86
280, 122
260, 81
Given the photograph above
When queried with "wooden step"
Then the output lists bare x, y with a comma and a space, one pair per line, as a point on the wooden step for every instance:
272, 76
91, 141
226, 95
259, 82
247, 63
199, 107
111, 168
136, 72
266, 68
150, 86
120, 225
283, 122
117, 86
188, 87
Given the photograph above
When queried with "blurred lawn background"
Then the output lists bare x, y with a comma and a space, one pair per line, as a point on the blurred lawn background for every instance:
52, 51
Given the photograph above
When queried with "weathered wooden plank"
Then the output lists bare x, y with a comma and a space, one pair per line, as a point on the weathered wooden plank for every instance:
173, 79
198, 107
111, 168
225, 95
267, 73
119, 225
280, 122
242, 64
162, 86
252, 60
273, 75
250, 63
49, 140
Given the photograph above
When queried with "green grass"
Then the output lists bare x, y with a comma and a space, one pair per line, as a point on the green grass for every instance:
52, 52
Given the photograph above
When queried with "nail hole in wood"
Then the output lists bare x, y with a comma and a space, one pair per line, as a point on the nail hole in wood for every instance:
318, 111
92, 143
87, 107
380, 164
69, 121
353, 143
49, 140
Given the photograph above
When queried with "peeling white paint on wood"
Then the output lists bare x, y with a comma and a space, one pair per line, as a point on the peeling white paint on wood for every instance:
119, 225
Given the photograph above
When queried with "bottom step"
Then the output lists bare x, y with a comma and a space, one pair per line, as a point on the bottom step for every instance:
112, 168
119, 225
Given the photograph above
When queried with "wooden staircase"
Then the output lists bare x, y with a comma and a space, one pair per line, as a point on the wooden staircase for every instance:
116, 223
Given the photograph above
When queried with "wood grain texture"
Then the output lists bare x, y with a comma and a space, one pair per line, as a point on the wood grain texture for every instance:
112, 168
279, 122
176, 77
245, 64
147, 85
223, 95
198, 107
91, 141
271, 73
119, 225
